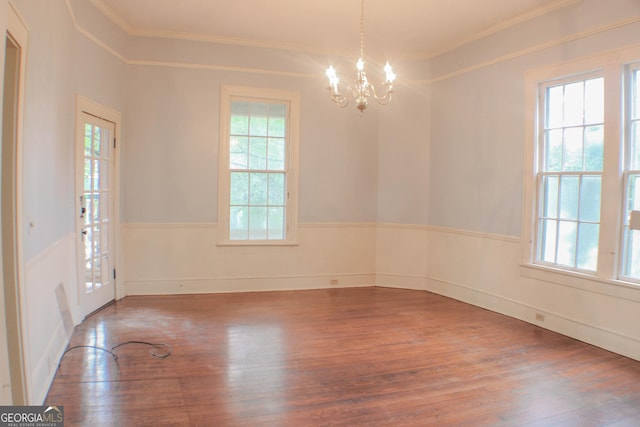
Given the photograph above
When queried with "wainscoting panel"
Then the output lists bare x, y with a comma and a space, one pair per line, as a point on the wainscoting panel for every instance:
402, 256
185, 258
484, 270
45, 335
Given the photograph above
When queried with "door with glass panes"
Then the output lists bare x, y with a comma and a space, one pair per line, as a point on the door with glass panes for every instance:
96, 260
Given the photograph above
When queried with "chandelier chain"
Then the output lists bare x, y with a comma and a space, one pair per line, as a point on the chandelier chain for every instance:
362, 30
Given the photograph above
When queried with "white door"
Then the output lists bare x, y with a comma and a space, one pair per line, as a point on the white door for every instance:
95, 225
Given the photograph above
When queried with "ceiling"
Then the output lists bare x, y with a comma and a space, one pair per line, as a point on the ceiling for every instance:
393, 28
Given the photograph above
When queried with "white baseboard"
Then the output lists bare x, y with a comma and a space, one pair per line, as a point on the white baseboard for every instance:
484, 270
246, 284
45, 369
401, 281
600, 337
184, 258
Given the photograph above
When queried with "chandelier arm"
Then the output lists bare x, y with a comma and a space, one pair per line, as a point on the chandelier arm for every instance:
343, 103
384, 99
353, 89
339, 99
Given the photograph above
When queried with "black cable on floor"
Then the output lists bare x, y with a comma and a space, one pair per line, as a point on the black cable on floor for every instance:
163, 355
156, 349
115, 356
59, 367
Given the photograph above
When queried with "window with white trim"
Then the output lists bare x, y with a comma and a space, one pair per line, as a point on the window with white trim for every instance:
582, 182
631, 222
257, 192
570, 173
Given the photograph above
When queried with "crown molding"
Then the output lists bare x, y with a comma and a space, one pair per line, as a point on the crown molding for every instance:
200, 37
527, 16
114, 16
237, 41
460, 71
231, 41
214, 67
537, 48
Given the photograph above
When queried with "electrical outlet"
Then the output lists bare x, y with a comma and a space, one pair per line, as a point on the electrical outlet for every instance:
540, 317
333, 281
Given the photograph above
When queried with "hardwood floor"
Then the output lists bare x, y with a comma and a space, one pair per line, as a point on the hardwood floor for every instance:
347, 357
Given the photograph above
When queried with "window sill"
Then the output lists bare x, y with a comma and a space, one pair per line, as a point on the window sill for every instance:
258, 243
586, 282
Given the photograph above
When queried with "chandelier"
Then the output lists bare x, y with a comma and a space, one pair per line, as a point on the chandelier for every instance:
360, 90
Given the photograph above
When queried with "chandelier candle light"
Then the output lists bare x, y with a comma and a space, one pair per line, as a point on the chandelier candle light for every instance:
361, 89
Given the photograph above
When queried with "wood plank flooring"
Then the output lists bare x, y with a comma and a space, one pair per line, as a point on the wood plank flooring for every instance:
340, 357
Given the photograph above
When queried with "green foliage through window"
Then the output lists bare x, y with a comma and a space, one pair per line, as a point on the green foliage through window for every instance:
571, 174
257, 163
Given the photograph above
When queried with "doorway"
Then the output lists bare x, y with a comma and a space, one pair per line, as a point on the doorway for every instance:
10, 198
96, 146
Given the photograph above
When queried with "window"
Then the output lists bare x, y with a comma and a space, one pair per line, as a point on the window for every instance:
582, 171
257, 194
631, 248
571, 162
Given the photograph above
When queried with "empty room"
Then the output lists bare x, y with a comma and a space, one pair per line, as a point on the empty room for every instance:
337, 212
